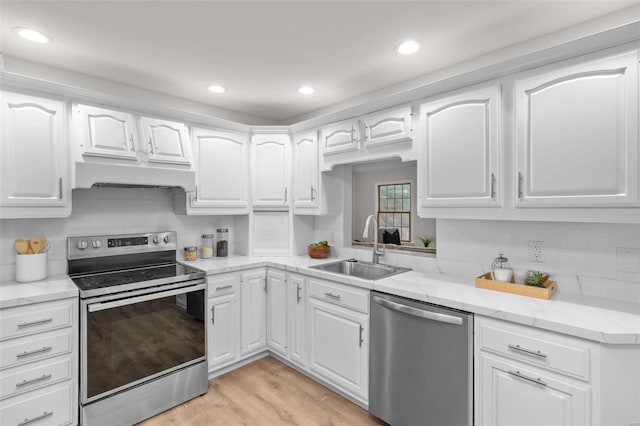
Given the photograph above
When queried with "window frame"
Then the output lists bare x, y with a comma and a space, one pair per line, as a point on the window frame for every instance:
409, 212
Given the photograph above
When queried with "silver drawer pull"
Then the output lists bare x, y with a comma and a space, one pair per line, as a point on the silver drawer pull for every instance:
224, 287
32, 381
34, 352
527, 351
35, 419
333, 296
530, 379
32, 323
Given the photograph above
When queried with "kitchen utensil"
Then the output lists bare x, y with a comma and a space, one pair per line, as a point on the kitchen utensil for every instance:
21, 245
37, 244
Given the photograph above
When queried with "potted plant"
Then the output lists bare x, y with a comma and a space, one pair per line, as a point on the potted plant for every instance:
427, 240
536, 278
318, 250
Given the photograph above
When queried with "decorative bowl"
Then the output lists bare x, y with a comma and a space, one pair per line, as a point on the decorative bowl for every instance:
318, 252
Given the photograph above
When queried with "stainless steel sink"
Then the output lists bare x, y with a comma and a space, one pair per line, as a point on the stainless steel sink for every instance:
359, 269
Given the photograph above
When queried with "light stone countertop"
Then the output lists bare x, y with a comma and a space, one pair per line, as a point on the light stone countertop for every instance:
566, 312
13, 293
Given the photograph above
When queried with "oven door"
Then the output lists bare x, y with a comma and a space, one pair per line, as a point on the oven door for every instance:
128, 340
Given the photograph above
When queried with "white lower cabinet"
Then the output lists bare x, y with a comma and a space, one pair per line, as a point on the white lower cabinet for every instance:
223, 315
514, 393
339, 342
297, 319
277, 312
253, 312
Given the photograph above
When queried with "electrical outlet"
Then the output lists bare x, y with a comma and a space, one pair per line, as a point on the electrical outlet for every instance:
536, 253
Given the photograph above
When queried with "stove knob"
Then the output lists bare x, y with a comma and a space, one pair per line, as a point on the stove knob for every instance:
156, 239
82, 244
96, 244
166, 239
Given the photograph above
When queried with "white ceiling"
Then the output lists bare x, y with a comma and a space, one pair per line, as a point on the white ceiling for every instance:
262, 51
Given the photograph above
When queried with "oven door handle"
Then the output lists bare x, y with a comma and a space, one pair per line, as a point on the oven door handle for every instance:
101, 306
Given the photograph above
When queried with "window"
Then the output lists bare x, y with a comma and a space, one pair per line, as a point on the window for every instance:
394, 208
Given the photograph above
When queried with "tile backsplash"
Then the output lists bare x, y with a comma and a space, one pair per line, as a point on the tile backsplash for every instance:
108, 211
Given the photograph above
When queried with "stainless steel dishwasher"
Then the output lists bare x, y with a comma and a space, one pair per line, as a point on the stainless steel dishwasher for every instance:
421, 363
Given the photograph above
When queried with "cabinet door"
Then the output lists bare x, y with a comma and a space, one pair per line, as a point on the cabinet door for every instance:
222, 169
459, 150
577, 136
270, 167
106, 133
254, 317
388, 127
305, 171
34, 152
296, 319
223, 330
165, 141
340, 137
277, 312
338, 346
514, 394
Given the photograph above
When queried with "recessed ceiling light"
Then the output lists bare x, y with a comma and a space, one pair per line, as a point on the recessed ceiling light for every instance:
216, 88
31, 35
408, 47
305, 90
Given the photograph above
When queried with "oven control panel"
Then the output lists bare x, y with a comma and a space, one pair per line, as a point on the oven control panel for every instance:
112, 245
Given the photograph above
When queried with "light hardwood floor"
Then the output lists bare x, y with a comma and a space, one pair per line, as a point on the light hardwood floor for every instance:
265, 392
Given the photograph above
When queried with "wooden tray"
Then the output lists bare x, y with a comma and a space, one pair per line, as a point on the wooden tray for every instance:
485, 281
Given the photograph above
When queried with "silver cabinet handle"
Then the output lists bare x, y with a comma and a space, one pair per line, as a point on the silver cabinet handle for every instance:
133, 148
32, 323
224, 287
312, 190
35, 419
32, 381
361, 339
435, 316
60, 189
298, 293
265, 284
34, 352
493, 185
353, 134
150, 145
213, 314
285, 194
195, 194
527, 351
332, 296
530, 379
520, 182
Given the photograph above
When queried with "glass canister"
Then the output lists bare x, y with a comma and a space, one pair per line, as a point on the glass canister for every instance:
206, 249
222, 245
190, 253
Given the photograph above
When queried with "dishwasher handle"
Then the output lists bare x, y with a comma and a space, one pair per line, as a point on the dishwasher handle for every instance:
418, 312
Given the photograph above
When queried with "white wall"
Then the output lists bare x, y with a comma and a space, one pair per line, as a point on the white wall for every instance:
108, 211
365, 185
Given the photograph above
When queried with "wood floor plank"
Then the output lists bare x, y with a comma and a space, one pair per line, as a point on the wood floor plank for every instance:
265, 392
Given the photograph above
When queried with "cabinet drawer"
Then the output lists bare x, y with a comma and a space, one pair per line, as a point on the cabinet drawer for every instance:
23, 320
35, 375
46, 407
33, 348
222, 284
537, 347
340, 295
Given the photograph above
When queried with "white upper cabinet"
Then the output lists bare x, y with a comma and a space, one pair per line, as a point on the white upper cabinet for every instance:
107, 133
222, 172
460, 150
34, 157
270, 166
388, 127
577, 135
165, 141
340, 137
306, 177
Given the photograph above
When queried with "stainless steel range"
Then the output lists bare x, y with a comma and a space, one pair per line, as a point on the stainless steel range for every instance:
142, 330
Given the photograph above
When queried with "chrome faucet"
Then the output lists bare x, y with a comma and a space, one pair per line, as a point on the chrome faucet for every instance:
376, 253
